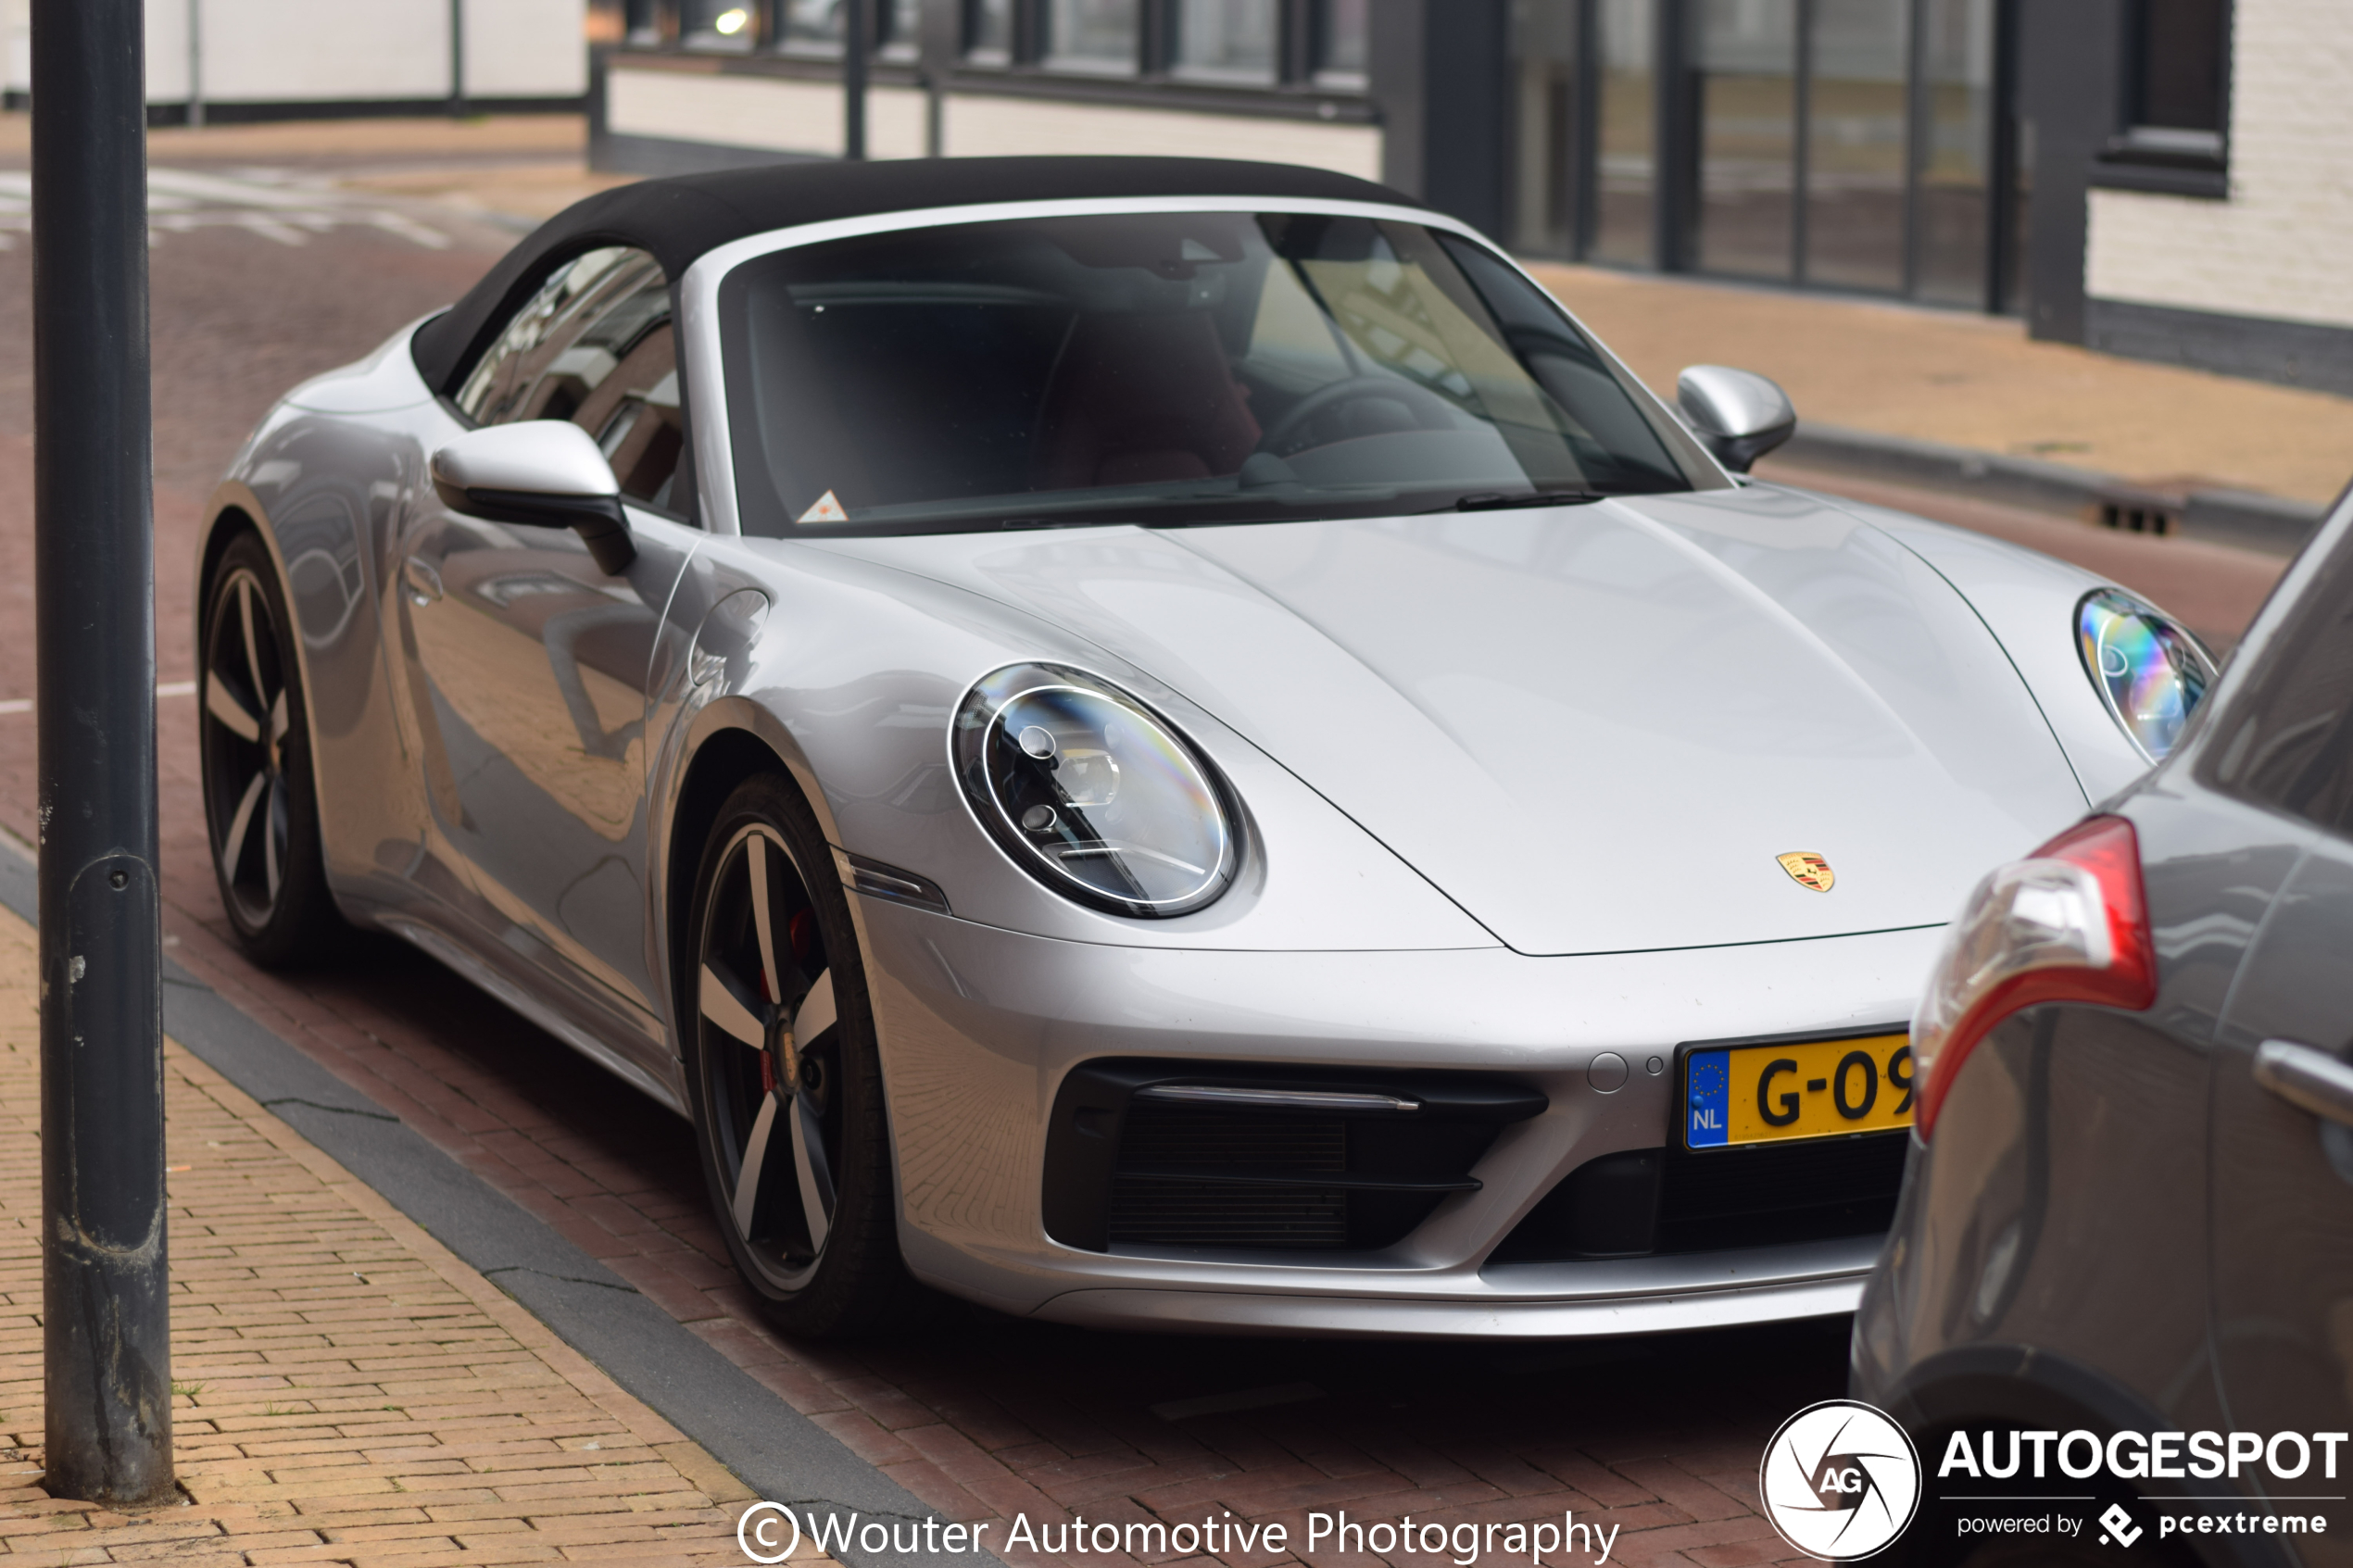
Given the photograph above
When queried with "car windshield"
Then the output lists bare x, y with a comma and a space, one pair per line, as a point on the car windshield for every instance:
1167, 368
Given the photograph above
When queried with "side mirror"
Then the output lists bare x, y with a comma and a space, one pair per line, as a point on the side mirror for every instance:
544, 471
1738, 415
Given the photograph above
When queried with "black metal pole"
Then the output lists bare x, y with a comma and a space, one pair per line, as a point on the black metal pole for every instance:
854, 38
457, 59
105, 1329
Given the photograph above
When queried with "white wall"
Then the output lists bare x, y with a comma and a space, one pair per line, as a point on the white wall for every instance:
981, 126
525, 49
2282, 246
256, 50
266, 50
799, 115
16, 45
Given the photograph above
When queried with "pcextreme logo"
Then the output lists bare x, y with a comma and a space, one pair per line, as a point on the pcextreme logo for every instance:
1839, 1480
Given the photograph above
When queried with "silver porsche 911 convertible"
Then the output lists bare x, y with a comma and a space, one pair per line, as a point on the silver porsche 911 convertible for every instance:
1149, 743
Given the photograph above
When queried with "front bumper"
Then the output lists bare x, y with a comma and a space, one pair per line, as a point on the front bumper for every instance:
978, 1026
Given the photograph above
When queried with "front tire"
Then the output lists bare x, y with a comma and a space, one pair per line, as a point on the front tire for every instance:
781, 1060
261, 793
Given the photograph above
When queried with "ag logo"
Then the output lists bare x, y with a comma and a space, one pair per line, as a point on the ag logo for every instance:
1839, 1480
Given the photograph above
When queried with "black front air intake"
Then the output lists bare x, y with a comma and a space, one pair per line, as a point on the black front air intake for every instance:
1641, 1201
1174, 1154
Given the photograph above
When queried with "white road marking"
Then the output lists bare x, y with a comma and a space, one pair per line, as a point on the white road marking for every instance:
270, 204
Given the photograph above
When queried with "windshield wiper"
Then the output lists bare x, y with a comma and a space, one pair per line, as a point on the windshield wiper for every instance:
1491, 501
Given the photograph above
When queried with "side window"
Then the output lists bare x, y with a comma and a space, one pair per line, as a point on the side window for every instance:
2288, 742
595, 347
632, 407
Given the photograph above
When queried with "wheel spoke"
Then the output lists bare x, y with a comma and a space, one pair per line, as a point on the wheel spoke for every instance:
816, 1178
232, 843
757, 855
273, 829
755, 1163
722, 1006
816, 1014
227, 707
278, 720
253, 648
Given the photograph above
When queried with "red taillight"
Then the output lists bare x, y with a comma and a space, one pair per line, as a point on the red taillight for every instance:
2068, 924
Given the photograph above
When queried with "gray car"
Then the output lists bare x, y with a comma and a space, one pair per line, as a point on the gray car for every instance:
2128, 1212
1147, 742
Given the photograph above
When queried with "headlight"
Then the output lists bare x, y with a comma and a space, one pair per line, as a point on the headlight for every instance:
1092, 793
2151, 673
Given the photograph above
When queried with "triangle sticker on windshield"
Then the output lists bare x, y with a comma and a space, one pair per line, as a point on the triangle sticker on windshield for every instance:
827, 509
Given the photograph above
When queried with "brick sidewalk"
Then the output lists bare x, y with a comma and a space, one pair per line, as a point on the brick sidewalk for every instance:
1972, 381
345, 1390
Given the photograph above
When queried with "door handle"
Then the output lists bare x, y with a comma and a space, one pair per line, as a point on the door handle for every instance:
2311, 1079
424, 582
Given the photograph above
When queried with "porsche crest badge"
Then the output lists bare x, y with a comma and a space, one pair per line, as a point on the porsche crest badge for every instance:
1809, 869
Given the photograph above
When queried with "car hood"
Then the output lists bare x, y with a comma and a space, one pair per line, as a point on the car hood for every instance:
1596, 728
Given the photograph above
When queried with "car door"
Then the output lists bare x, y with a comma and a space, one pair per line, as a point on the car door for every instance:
2282, 1226
536, 662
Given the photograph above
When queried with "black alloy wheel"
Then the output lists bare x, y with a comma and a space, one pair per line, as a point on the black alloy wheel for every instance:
260, 792
787, 1084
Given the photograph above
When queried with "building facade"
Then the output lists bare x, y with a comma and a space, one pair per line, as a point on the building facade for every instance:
688, 83
230, 60
2161, 178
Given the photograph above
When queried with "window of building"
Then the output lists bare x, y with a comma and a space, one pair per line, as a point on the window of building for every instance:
899, 28
1745, 55
1230, 39
813, 25
988, 30
1955, 176
1549, 135
1857, 126
2177, 57
1341, 49
1097, 35
1624, 140
641, 21
718, 24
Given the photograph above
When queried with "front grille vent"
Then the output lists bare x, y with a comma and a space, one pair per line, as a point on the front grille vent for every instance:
1641, 1201
1178, 1155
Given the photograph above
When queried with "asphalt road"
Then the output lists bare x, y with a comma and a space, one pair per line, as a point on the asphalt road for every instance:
258, 283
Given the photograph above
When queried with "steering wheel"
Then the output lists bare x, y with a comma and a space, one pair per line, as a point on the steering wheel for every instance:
1429, 410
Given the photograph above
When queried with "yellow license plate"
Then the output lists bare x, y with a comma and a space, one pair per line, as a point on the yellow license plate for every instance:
1814, 1089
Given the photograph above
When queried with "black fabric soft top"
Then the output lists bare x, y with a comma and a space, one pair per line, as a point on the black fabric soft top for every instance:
679, 219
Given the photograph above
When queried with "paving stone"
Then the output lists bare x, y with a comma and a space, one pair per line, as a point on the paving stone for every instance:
328, 1305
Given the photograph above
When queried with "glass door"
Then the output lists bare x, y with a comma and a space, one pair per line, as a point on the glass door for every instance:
1858, 125
1955, 171
1624, 181
1745, 59
1545, 96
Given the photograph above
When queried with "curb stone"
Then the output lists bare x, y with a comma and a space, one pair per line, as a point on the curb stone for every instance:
2244, 517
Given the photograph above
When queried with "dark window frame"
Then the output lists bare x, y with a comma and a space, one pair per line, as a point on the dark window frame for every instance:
2168, 161
1302, 41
